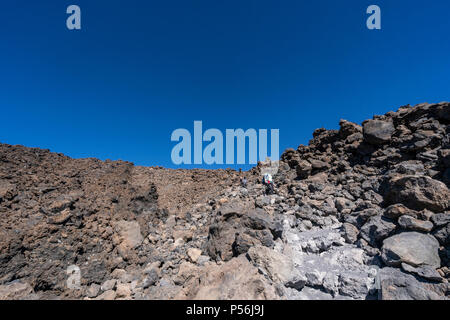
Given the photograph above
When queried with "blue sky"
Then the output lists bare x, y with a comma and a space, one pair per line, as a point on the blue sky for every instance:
140, 69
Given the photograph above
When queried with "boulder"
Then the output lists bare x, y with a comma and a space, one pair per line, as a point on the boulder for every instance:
220, 241
377, 229
108, 285
352, 286
259, 220
236, 279
354, 140
233, 234
243, 242
349, 232
411, 223
319, 165
234, 208
397, 210
443, 235
417, 193
277, 266
425, 272
441, 219
303, 169
413, 248
397, 285
348, 128
378, 132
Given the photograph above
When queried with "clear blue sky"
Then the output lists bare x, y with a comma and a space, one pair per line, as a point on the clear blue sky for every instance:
140, 69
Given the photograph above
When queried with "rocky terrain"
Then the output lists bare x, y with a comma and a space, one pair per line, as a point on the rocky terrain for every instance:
362, 212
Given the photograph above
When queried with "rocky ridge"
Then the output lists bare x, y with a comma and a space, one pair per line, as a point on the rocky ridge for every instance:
362, 212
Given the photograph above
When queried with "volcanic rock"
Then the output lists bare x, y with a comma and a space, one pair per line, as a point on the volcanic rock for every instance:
413, 248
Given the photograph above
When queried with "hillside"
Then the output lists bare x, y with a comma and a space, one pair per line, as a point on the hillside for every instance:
362, 212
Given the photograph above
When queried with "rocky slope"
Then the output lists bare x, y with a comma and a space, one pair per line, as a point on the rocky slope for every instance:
360, 213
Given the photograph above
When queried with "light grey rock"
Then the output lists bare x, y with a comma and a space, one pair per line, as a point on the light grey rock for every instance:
413, 248
202, 260
315, 278
350, 285
316, 241
164, 283
331, 283
323, 269
151, 279
277, 266
108, 285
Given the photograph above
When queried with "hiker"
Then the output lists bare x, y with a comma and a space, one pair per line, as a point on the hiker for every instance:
244, 182
267, 181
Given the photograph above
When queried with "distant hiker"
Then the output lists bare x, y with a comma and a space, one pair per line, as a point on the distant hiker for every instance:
244, 182
267, 179
291, 189
268, 182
